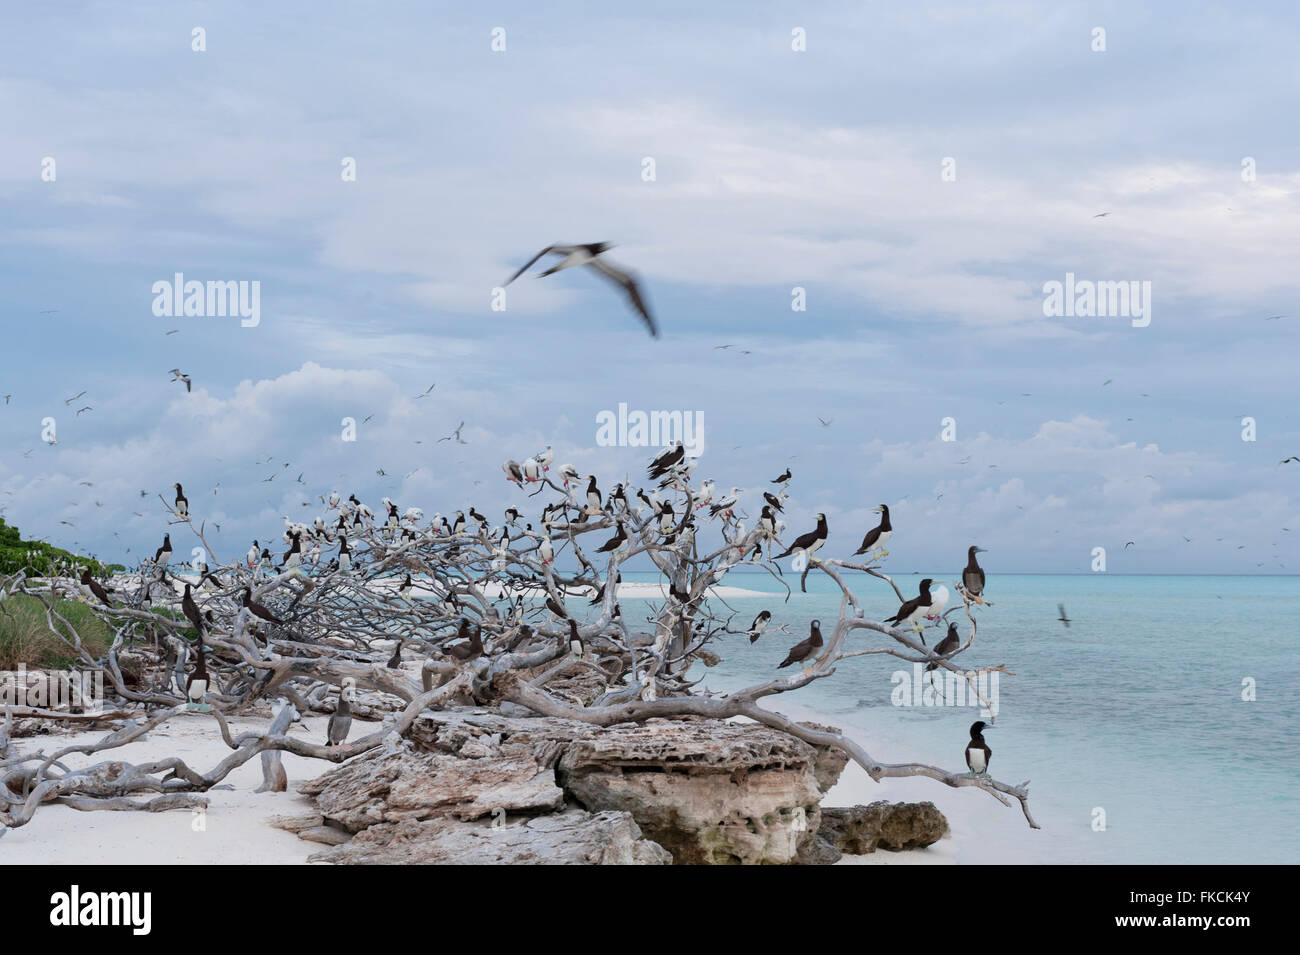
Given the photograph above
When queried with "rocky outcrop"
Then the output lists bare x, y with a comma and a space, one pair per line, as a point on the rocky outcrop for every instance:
882, 825
710, 792
573, 837
384, 788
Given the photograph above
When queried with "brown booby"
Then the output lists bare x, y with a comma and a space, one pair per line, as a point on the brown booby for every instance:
257, 610
806, 648
978, 753
972, 578
94, 586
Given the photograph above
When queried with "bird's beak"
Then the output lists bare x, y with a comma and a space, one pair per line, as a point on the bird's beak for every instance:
877, 509
987, 727
981, 550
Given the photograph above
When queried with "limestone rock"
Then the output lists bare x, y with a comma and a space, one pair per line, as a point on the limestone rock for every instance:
383, 788
711, 792
894, 826
573, 837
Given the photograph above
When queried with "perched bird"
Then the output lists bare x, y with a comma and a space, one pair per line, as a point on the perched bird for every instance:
94, 586
196, 687
182, 502
191, 610
946, 645
340, 721
163, 555
972, 578
879, 535
471, 648
978, 753
805, 648
759, 625
783, 478
666, 460
576, 646
615, 542
513, 473
395, 661
575, 255
810, 542
257, 610
913, 610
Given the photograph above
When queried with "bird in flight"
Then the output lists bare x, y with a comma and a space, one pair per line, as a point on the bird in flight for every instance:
825, 423
1289, 460
587, 254
1274, 318
68, 401
455, 434
178, 375
1063, 618
172, 332
425, 392
1101, 215
87, 408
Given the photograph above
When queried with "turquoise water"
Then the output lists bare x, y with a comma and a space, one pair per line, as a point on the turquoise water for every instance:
1136, 708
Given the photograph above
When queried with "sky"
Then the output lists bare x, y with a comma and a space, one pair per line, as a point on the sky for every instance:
919, 171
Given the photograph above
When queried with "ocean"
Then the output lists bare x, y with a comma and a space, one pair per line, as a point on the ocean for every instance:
1133, 717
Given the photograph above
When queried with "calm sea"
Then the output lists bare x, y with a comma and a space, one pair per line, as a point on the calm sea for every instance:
1136, 710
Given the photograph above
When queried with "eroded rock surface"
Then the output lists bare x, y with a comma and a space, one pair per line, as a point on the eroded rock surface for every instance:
573, 837
894, 826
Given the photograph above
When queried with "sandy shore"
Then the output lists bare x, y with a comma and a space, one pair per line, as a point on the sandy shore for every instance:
235, 832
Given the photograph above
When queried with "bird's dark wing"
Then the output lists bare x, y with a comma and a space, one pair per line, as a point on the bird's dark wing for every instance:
629, 285
549, 248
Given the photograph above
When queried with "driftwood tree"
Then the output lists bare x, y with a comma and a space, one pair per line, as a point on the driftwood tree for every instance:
434, 594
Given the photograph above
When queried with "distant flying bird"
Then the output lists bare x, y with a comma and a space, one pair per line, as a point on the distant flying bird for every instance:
178, 375
1063, 618
1289, 460
172, 332
425, 392
366, 418
1129, 544
68, 401
587, 254
80, 410
1101, 215
1274, 318
455, 434
825, 423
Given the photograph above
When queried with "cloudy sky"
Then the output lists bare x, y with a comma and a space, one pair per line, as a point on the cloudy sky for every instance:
774, 169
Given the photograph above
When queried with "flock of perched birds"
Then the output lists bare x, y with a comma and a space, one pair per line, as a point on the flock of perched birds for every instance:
668, 518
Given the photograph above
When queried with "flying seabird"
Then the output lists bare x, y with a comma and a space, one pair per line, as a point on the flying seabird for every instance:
1063, 618
879, 535
587, 255
178, 375
805, 648
972, 578
978, 753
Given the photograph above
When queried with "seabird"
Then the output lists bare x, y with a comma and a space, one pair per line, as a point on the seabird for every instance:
805, 648
178, 375
665, 460
978, 753
576, 646
94, 586
810, 542
782, 478
615, 542
972, 578
345, 556
470, 648
946, 645
759, 625
587, 255
593, 496
395, 661
513, 474
163, 554
912, 610
340, 721
879, 535
196, 687
182, 502
257, 609
191, 610
1063, 618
